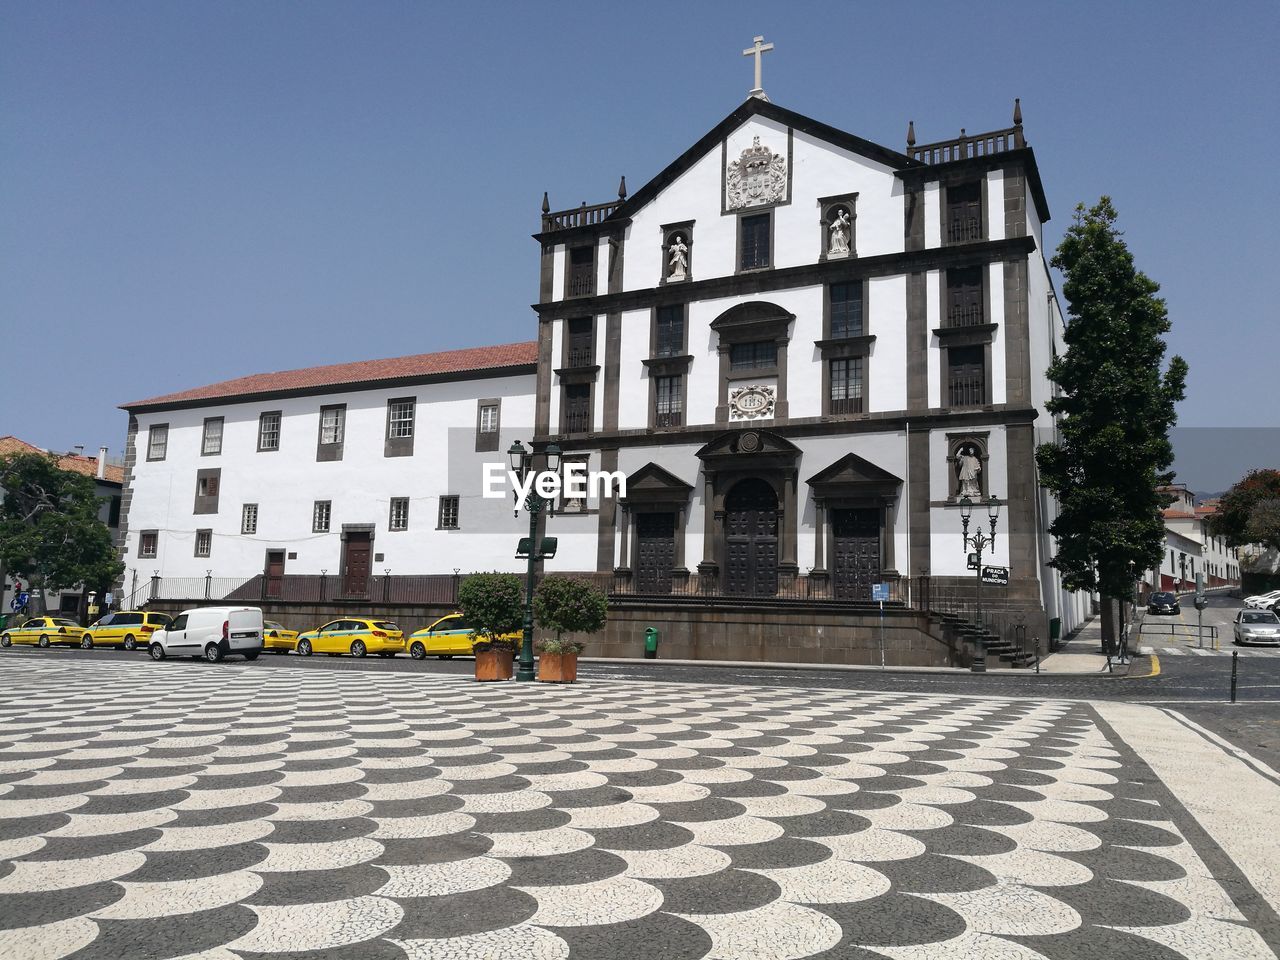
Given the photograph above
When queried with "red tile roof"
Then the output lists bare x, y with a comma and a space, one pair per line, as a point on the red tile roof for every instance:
67, 461
361, 372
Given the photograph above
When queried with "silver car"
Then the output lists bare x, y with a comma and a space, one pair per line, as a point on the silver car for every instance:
1257, 626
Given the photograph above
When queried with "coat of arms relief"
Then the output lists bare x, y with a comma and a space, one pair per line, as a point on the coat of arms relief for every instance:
758, 176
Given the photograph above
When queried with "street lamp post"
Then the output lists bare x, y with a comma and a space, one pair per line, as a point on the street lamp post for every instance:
979, 542
521, 464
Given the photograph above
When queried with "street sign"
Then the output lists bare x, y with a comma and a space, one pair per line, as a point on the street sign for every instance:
880, 591
19, 601
973, 561
996, 575
109, 598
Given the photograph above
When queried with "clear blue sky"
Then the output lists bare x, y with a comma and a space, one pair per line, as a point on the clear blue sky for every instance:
195, 191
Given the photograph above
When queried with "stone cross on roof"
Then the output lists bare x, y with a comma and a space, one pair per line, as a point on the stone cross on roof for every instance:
758, 51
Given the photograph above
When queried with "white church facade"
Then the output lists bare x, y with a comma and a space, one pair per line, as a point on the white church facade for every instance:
802, 349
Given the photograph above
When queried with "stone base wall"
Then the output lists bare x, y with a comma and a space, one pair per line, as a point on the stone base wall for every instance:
755, 632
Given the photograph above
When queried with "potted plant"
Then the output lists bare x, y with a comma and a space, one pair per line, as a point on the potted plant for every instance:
493, 604
566, 605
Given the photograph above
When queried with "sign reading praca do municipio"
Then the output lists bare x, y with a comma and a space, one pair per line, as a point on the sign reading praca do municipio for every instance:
996, 575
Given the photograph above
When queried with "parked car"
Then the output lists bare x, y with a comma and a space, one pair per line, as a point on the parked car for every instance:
210, 632
277, 639
45, 632
127, 628
356, 636
448, 637
1163, 603
1262, 601
1257, 626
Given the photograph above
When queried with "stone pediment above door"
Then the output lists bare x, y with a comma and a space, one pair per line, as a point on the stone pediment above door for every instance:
653, 485
748, 450
754, 320
852, 477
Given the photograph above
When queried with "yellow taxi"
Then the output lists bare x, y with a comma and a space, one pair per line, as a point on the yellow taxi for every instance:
356, 636
450, 636
277, 639
131, 629
46, 631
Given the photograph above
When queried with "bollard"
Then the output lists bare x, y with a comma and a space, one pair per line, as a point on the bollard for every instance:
1235, 657
1037, 654
650, 643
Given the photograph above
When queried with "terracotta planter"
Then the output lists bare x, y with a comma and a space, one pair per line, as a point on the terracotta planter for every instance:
493, 665
557, 667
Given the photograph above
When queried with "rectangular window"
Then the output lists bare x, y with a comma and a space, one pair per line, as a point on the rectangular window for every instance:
846, 385
964, 297
577, 408
207, 486
846, 310
399, 514
399, 419
668, 338
147, 541
966, 376
488, 418
582, 351
158, 441
753, 356
204, 543
249, 518
755, 241
448, 513
964, 212
332, 424
321, 511
582, 271
113, 514
668, 408
488, 421
269, 431
211, 444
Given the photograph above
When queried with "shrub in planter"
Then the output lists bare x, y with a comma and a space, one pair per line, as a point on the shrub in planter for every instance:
566, 605
493, 603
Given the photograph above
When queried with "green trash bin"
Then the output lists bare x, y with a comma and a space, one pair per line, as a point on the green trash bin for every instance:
650, 643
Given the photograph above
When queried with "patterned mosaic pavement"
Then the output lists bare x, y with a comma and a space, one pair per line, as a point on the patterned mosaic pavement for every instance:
221, 811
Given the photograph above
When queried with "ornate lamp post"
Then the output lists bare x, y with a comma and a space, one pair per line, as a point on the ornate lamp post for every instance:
521, 464
979, 542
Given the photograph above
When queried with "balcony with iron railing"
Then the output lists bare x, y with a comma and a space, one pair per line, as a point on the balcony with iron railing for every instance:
847, 405
966, 386
576, 420
963, 228
582, 279
672, 418
583, 216
965, 315
581, 355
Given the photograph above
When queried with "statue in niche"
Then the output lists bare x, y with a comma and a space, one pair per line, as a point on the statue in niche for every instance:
969, 472
678, 251
838, 244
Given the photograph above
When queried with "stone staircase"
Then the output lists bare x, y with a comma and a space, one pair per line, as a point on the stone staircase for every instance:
967, 634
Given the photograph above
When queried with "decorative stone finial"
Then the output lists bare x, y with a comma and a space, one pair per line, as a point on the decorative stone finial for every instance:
911, 133
1017, 111
622, 188
962, 133
546, 204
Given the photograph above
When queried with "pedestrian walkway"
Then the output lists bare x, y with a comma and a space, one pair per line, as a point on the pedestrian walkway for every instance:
1079, 653
1226, 649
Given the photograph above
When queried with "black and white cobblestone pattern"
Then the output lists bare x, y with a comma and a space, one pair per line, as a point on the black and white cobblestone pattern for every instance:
180, 810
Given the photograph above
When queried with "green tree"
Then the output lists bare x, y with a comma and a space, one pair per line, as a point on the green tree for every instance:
493, 603
49, 527
1235, 519
569, 605
1116, 408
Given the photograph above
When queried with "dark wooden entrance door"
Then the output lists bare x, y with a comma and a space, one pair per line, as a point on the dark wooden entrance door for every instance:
356, 565
655, 551
855, 552
751, 540
275, 573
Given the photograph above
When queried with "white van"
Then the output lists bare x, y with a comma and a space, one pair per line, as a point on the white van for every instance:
210, 632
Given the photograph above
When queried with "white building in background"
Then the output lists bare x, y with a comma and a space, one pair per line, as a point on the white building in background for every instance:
801, 348
349, 470
1192, 548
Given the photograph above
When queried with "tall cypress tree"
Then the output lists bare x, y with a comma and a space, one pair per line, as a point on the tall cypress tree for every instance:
1116, 409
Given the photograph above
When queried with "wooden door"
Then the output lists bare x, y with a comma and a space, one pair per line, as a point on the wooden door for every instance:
275, 574
655, 551
855, 552
751, 540
356, 564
